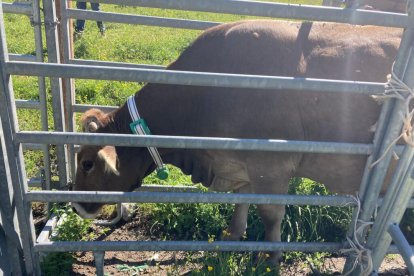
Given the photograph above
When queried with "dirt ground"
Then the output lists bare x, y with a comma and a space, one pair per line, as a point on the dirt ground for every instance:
181, 263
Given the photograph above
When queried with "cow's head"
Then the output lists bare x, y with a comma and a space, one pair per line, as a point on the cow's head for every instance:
107, 168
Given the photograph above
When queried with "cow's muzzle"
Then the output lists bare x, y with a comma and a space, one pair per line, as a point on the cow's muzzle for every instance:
87, 210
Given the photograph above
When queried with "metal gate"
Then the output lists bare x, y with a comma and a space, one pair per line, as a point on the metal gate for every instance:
389, 127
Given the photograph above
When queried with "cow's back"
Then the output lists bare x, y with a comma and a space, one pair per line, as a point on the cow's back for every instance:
317, 50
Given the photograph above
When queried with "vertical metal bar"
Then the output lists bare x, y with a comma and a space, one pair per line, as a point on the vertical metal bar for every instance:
14, 153
384, 117
67, 41
99, 262
389, 130
4, 254
11, 260
393, 207
52, 44
400, 191
403, 246
36, 19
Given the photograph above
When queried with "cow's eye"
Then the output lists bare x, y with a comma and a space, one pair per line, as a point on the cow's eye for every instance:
87, 165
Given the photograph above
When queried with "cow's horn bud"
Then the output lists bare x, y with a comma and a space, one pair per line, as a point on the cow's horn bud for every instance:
92, 127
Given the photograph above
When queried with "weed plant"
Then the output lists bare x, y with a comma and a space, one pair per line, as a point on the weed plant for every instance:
70, 228
206, 222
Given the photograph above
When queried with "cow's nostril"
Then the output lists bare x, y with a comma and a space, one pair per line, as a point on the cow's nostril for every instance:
87, 165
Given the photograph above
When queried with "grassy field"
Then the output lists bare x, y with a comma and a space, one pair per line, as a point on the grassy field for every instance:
153, 45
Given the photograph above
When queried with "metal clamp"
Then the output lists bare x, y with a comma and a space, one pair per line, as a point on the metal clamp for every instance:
46, 23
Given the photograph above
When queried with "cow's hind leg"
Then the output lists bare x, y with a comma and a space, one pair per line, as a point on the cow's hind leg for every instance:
272, 217
238, 222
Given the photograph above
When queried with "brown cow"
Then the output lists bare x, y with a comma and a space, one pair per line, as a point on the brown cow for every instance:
261, 47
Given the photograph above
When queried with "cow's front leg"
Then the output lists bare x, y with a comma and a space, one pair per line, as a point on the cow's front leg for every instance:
238, 222
272, 217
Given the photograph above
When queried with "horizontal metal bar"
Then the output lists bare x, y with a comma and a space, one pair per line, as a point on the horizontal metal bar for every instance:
188, 188
179, 188
33, 146
167, 197
394, 250
276, 10
27, 104
114, 64
410, 203
140, 19
34, 182
187, 246
83, 107
47, 229
18, 8
37, 183
191, 78
403, 246
192, 245
167, 188
17, 57
59, 138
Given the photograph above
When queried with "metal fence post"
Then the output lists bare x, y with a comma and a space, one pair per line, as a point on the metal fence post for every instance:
392, 210
4, 254
14, 154
52, 43
36, 21
403, 246
388, 129
66, 39
400, 190
11, 260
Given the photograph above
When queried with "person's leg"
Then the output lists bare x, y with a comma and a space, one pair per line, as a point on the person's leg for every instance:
101, 26
80, 24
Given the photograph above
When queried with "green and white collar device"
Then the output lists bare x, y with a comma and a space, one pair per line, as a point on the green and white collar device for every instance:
138, 126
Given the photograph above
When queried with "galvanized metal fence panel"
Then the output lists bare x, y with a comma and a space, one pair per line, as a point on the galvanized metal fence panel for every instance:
15, 159
131, 73
389, 127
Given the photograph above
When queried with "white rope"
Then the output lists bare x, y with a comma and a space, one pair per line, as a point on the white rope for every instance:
397, 89
362, 254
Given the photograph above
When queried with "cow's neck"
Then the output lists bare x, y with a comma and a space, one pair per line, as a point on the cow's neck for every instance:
153, 107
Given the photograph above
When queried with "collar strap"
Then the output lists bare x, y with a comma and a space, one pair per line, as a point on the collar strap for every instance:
138, 126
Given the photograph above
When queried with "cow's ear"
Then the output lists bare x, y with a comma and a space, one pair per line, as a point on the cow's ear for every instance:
110, 158
92, 120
